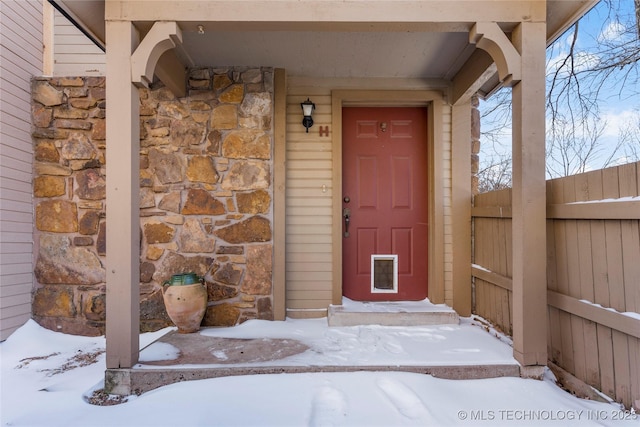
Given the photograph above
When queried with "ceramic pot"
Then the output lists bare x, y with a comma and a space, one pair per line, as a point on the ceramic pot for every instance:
186, 305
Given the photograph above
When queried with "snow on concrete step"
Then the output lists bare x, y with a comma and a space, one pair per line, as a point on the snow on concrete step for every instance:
400, 313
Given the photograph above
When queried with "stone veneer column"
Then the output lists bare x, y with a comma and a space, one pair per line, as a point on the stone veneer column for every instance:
69, 188
206, 192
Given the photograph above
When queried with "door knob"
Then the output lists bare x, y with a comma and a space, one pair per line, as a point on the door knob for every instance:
346, 199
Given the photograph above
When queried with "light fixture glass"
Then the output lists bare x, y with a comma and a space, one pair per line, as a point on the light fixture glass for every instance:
307, 111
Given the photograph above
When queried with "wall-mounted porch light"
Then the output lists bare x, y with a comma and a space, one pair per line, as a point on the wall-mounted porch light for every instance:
307, 111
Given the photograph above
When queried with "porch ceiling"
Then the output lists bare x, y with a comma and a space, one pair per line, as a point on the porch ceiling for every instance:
346, 49
336, 54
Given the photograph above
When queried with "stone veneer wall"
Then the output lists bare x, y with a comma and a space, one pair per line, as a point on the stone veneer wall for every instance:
205, 203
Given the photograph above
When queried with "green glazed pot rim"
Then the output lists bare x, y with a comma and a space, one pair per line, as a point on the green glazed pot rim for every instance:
183, 279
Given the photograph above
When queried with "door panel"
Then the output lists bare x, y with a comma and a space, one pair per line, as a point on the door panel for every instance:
366, 241
401, 243
401, 183
367, 180
385, 180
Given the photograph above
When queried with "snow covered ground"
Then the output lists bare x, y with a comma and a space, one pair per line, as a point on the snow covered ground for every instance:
47, 379
367, 345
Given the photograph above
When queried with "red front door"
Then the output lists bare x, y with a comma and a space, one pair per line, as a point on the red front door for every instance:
385, 193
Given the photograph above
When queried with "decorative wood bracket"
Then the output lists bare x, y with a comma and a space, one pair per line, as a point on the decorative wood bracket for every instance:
489, 37
154, 55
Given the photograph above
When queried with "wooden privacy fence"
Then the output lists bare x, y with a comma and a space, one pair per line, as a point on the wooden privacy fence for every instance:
593, 274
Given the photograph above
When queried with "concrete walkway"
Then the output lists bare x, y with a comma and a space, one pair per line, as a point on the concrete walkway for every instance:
450, 350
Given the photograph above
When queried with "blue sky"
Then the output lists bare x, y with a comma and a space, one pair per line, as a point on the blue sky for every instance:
619, 100
598, 27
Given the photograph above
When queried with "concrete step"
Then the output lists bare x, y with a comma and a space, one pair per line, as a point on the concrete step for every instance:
391, 314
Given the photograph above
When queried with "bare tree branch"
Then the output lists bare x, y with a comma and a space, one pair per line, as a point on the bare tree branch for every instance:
637, 4
585, 70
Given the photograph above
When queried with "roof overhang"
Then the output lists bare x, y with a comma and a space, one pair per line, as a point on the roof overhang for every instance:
326, 39
87, 15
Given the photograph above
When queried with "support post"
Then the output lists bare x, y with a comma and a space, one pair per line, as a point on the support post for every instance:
123, 207
529, 200
279, 194
461, 207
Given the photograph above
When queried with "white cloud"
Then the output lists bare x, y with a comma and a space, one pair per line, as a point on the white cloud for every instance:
613, 31
582, 60
617, 121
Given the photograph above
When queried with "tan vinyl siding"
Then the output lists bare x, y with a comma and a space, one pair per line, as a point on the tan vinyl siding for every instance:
74, 53
309, 209
20, 59
446, 205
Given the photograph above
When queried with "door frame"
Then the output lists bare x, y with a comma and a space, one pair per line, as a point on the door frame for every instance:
434, 102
